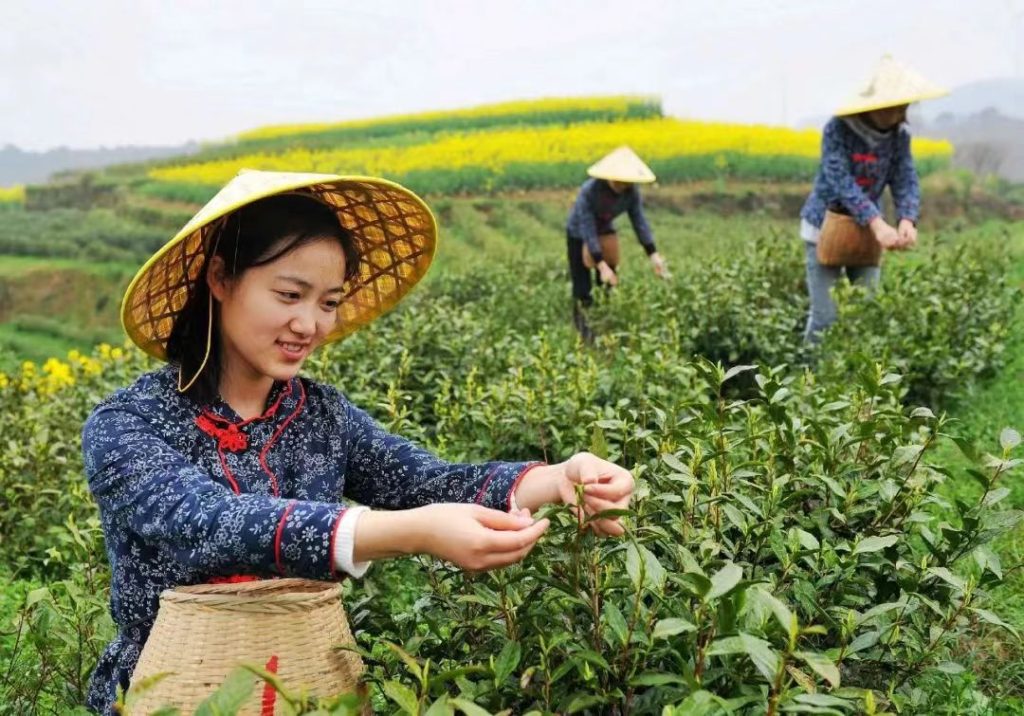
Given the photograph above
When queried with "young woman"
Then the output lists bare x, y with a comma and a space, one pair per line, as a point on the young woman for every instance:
590, 232
865, 148
226, 463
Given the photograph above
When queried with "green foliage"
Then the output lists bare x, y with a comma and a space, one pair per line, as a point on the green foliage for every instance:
85, 190
785, 550
790, 548
929, 321
87, 234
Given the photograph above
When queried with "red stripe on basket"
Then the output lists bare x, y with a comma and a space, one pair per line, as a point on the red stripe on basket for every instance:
269, 693
334, 539
277, 433
279, 535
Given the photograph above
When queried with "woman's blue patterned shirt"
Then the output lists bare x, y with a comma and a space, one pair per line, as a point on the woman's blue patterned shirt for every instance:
854, 173
187, 493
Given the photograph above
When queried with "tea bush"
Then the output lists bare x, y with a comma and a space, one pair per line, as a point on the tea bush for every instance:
786, 552
788, 549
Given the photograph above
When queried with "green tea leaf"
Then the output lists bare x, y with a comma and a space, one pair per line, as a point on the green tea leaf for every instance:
507, 661
671, 626
403, 696
760, 652
724, 581
875, 544
821, 665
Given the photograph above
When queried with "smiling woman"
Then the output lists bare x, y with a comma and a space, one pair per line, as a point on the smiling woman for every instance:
227, 464
258, 287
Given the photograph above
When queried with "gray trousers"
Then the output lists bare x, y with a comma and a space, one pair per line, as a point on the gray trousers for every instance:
820, 280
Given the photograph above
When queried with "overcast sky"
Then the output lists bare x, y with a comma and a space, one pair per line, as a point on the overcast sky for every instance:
85, 74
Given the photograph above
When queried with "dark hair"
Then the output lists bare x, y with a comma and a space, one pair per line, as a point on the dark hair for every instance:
254, 235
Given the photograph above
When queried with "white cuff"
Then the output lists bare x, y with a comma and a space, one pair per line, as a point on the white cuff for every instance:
344, 542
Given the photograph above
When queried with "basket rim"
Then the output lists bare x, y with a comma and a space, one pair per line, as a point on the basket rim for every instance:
287, 591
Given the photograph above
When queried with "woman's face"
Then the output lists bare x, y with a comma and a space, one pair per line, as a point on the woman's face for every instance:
618, 186
888, 117
273, 316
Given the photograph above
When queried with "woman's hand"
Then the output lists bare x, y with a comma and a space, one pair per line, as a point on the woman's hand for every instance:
606, 486
472, 537
607, 275
887, 236
907, 233
659, 265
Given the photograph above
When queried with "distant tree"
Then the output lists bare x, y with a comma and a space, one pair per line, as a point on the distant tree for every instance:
983, 158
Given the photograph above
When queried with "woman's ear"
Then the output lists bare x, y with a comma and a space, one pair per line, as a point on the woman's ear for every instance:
216, 278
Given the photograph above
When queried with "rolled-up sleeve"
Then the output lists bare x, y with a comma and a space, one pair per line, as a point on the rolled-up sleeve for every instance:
143, 484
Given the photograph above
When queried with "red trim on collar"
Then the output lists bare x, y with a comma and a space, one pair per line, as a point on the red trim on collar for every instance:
274, 487
230, 437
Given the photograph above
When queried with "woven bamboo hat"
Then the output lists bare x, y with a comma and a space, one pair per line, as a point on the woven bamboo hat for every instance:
393, 229
622, 165
892, 84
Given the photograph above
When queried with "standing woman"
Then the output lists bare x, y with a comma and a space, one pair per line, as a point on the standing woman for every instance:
865, 148
227, 463
590, 232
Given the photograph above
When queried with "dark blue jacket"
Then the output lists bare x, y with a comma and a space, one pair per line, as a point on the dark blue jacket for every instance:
187, 493
594, 214
853, 174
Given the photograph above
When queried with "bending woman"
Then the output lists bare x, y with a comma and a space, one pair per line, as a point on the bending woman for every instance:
591, 238
226, 463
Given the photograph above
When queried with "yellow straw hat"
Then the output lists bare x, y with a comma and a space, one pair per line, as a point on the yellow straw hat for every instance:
892, 84
622, 165
394, 232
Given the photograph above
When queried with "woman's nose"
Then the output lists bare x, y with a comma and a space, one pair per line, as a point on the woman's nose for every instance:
303, 323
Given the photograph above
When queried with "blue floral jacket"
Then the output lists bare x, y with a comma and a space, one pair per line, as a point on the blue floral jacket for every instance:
593, 214
853, 175
188, 493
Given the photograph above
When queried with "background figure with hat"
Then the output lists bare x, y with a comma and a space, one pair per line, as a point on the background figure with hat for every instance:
593, 243
865, 148
226, 464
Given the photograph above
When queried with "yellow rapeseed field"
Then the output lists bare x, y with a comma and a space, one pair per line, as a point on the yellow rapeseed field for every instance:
554, 105
12, 194
495, 150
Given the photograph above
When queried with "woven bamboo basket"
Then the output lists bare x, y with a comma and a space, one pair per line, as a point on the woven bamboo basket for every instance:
845, 243
290, 626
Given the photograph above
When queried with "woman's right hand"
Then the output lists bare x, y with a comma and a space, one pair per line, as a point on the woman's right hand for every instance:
885, 234
607, 275
472, 537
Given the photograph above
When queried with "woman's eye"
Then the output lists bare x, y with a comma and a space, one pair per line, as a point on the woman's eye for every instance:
289, 295
331, 306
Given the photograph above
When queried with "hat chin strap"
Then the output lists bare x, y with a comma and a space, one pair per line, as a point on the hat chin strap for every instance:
206, 355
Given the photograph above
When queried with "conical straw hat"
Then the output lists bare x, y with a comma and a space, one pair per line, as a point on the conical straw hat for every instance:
892, 84
394, 232
622, 165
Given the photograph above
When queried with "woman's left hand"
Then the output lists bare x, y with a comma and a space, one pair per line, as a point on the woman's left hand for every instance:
908, 234
659, 266
606, 486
